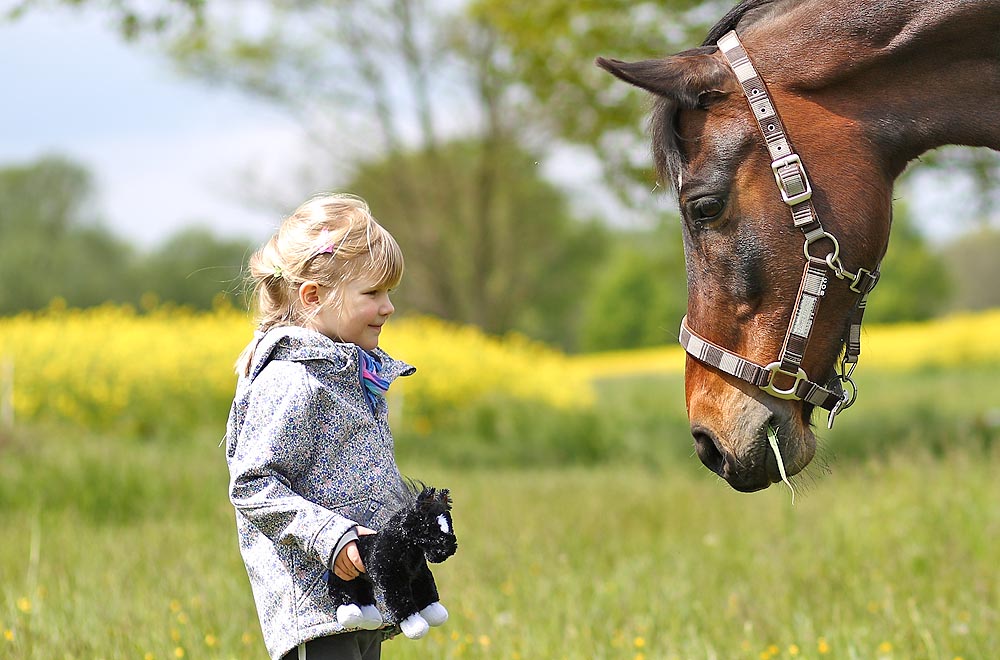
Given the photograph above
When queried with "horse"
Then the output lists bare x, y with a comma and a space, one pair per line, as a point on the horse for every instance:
780, 259
395, 560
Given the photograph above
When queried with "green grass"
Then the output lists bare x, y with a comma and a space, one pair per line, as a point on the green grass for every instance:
642, 421
118, 548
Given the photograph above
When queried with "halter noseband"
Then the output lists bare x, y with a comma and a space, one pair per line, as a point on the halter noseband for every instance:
796, 192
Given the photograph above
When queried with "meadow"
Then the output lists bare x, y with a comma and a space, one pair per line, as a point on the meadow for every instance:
587, 527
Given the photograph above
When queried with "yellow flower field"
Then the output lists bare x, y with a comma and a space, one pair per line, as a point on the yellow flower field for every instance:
112, 367
946, 342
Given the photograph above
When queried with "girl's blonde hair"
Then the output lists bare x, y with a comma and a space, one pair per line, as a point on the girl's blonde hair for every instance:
331, 240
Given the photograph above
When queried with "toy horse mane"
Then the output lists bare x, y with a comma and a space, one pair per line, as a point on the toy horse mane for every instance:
433, 501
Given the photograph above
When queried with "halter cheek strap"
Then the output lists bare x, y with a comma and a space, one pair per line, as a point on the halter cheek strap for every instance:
796, 192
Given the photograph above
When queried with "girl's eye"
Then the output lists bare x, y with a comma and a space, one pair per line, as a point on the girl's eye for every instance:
706, 210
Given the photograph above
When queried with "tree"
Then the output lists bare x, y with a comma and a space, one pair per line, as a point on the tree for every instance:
551, 45
194, 267
639, 296
520, 262
424, 123
52, 243
133, 18
914, 284
975, 269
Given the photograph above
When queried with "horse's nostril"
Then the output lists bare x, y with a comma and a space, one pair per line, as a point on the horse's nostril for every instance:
708, 451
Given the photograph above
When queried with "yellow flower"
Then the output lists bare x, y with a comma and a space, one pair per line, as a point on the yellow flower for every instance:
773, 649
885, 647
793, 649
8, 635
639, 642
822, 646
24, 605
148, 656
484, 641
175, 606
179, 652
247, 638
210, 640
639, 656
175, 634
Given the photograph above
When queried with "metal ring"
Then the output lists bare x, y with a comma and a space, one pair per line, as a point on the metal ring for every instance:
833, 256
846, 380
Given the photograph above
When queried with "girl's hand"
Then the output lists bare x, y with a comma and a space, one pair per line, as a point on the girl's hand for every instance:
348, 564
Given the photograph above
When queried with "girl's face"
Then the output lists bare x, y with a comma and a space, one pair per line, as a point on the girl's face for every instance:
365, 308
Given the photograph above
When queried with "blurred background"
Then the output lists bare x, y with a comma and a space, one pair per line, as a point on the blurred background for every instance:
148, 146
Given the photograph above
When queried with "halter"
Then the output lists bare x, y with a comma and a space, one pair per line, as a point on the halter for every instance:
796, 192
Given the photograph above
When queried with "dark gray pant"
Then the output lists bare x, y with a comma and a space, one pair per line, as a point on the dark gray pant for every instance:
358, 645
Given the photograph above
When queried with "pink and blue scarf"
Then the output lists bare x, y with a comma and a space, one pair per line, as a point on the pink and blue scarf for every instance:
375, 385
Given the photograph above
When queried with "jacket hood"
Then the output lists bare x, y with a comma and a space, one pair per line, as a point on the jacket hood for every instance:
295, 343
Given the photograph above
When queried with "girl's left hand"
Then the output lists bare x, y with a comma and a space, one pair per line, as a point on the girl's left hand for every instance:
348, 564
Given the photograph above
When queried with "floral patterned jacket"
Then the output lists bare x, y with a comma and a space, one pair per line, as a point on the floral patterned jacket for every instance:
309, 459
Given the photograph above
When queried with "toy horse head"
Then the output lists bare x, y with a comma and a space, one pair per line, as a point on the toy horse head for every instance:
430, 525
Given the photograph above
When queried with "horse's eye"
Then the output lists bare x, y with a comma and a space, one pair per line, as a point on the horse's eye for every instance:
706, 210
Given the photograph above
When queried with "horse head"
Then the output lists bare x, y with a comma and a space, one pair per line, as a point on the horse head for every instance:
430, 524
746, 253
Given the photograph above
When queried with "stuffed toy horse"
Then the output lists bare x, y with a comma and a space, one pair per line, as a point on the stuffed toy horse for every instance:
395, 560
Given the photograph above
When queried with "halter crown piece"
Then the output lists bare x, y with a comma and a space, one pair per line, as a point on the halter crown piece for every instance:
796, 192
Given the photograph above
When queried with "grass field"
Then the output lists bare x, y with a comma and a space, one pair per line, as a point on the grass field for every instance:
588, 529
126, 549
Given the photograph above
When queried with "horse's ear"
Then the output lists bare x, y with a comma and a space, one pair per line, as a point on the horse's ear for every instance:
693, 79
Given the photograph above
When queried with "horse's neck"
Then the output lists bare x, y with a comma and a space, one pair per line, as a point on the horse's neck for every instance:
918, 74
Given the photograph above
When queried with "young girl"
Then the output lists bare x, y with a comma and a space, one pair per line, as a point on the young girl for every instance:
308, 444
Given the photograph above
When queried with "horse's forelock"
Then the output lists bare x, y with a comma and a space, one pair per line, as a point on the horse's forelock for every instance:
666, 149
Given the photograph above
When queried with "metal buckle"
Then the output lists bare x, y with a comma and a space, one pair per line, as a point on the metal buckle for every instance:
774, 369
797, 197
863, 274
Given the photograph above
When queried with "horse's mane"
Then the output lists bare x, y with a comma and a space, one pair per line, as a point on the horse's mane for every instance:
733, 18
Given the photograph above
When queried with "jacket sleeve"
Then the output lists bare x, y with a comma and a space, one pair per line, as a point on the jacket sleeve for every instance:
275, 444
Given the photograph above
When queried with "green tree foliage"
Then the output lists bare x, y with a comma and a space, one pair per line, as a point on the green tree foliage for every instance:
975, 269
448, 161
132, 18
194, 267
550, 46
639, 296
50, 246
517, 260
914, 283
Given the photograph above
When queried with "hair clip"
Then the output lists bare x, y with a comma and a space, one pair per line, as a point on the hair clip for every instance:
330, 248
277, 273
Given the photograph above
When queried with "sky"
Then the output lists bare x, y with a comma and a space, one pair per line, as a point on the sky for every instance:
169, 151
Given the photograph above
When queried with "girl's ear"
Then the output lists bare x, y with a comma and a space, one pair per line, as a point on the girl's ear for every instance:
309, 294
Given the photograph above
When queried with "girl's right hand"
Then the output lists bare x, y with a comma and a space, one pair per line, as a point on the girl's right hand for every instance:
348, 564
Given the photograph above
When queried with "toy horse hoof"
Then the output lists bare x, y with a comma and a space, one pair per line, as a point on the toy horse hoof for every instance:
434, 614
371, 619
350, 616
414, 626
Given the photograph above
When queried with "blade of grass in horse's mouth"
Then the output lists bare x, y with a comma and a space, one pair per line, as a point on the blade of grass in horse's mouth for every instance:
772, 439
